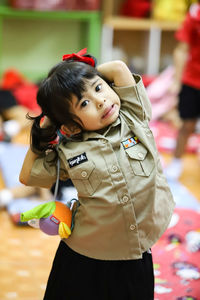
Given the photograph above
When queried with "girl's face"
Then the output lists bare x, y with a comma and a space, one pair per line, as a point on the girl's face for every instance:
98, 107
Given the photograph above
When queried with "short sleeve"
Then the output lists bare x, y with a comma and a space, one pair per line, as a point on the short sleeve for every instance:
44, 172
134, 99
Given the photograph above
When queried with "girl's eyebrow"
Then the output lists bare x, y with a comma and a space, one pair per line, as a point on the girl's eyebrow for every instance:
93, 83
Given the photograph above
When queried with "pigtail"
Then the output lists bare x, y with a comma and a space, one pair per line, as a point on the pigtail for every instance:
41, 138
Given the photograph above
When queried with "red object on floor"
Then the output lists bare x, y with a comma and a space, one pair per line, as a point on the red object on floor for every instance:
11, 79
176, 258
26, 96
24, 91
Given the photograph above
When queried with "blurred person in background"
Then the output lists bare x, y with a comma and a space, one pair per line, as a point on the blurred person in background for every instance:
186, 84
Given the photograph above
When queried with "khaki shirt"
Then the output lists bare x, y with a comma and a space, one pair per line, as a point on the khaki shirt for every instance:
125, 201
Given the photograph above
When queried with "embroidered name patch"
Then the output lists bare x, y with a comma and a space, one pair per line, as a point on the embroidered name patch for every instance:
77, 160
130, 142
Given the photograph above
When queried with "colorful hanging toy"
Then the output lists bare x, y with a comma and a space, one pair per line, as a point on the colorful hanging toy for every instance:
52, 218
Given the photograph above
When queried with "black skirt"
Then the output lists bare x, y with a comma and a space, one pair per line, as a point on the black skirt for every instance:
76, 277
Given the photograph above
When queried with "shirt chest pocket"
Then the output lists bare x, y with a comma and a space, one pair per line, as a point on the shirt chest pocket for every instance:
85, 178
140, 159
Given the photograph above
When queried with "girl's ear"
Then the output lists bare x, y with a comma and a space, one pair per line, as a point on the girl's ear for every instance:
70, 131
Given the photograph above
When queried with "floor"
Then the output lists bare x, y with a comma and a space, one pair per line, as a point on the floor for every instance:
190, 177
25, 260
26, 254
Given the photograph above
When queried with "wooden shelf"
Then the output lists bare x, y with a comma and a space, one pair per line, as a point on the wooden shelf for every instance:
125, 23
91, 18
90, 25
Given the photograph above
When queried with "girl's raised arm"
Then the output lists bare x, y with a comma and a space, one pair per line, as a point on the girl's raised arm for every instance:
27, 166
30, 158
117, 72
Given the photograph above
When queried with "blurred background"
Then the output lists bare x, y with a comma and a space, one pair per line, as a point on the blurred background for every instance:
34, 35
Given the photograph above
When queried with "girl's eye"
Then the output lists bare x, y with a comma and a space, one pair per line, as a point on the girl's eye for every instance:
98, 88
84, 103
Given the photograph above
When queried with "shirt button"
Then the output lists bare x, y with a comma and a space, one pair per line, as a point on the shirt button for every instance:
140, 155
125, 199
114, 168
132, 227
84, 174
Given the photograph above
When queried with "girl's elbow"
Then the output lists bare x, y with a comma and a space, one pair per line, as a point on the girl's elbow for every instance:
120, 66
23, 179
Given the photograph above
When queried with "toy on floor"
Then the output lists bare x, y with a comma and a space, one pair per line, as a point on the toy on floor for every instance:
52, 218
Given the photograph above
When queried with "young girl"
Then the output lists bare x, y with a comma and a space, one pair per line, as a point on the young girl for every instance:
186, 84
111, 158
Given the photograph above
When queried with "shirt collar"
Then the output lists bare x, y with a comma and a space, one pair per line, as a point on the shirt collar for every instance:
95, 135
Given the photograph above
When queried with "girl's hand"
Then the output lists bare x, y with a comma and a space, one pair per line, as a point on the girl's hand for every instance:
117, 72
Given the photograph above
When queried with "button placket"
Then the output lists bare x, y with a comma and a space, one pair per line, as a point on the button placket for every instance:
122, 193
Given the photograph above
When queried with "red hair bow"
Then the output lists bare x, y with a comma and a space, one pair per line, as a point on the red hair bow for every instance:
79, 57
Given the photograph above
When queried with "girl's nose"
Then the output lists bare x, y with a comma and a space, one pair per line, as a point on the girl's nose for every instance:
100, 103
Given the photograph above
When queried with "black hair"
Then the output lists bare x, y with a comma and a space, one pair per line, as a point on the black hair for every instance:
54, 95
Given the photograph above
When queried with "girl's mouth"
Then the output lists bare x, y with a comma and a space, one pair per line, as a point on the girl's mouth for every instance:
109, 111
